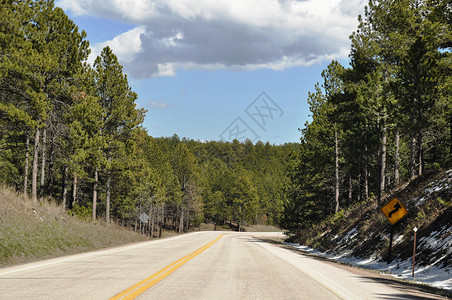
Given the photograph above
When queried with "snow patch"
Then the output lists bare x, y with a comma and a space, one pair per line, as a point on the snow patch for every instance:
438, 272
431, 275
443, 184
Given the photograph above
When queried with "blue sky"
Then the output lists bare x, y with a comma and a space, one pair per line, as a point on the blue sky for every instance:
211, 70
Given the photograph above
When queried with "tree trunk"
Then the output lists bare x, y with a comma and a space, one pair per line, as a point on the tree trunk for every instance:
397, 158
181, 223
27, 153
450, 135
187, 221
152, 213
378, 176
420, 153
366, 176
383, 159
74, 190
413, 155
107, 200
136, 221
336, 146
34, 174
51, 177
162, 221
65, 176
360, 189
96, 183
43, 161
350, 188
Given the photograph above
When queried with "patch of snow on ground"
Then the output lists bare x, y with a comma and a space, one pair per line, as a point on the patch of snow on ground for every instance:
350, 235
438, 241
444, 183
398, 240
434, 274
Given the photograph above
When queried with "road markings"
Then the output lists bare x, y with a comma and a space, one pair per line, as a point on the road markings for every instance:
142, 286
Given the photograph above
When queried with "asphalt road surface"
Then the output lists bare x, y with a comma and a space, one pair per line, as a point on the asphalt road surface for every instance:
201, 265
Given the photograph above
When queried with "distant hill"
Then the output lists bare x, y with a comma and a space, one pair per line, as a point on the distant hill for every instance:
32, 231
361, 235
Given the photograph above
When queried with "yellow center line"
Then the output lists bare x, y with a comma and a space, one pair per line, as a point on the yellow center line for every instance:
139, 288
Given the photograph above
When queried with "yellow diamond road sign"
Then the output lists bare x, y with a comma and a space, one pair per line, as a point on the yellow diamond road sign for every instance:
394, 211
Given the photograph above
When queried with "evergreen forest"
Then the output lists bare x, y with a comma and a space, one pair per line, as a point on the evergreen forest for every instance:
381, 122
72, 131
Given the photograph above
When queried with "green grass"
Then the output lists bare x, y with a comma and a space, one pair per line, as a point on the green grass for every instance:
33, 231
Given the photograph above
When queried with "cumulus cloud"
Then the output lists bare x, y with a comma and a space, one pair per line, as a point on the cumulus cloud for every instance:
126, 46
234, 34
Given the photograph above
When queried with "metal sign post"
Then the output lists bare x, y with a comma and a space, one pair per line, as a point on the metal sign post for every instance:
390, 244
414, 249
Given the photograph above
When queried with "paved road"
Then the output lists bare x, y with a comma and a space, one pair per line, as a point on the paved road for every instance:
201, 265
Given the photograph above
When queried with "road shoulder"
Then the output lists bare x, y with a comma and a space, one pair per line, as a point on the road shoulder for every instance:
411, 289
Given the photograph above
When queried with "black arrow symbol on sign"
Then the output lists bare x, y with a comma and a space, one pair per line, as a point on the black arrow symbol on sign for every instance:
396, 209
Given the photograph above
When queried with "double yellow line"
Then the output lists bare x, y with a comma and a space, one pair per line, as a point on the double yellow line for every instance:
142, 286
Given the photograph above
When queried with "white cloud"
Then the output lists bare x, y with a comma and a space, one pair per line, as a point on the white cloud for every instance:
235, 34
126, 46
156, 104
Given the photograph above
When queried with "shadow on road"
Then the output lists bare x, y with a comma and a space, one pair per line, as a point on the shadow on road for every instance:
411, 292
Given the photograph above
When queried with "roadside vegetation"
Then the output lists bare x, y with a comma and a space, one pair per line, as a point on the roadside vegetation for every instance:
363, 231
31, 231
72, 132
360, 235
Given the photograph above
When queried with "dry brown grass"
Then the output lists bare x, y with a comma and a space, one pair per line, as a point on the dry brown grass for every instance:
262, 228
32, 231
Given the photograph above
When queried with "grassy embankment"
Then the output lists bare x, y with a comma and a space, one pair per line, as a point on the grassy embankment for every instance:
32, 231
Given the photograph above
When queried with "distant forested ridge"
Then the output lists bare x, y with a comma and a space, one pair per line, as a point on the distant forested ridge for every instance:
73, 132
381, 122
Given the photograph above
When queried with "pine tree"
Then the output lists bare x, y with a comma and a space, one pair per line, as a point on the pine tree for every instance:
120, 117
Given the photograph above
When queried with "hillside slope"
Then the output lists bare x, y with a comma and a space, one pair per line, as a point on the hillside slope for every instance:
361, 235
31, 231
